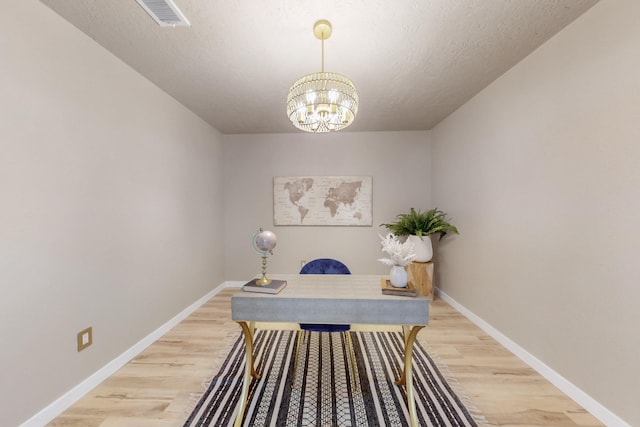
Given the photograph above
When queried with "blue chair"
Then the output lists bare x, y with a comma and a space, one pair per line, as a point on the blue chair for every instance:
324, 266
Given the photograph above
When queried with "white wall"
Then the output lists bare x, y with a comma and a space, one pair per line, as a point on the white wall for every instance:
542, 172
397, 161
109, 207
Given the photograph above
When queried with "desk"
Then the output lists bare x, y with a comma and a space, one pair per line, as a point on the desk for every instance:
339, 299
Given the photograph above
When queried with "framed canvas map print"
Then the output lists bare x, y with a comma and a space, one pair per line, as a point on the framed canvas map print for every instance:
322, 200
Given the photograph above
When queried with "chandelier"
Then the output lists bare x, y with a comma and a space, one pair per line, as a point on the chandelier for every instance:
322, 102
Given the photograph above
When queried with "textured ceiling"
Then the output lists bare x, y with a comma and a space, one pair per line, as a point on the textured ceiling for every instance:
413, 62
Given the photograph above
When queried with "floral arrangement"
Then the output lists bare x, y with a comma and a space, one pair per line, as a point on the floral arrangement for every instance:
400, 253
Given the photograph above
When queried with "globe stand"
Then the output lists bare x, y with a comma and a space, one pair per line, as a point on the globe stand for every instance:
263, 281
263, 243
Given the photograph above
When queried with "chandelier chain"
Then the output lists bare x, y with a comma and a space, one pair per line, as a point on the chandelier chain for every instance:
323, 52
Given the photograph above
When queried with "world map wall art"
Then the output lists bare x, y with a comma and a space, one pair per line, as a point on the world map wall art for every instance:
322, 200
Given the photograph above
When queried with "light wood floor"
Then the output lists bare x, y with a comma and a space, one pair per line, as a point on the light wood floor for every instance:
160, 386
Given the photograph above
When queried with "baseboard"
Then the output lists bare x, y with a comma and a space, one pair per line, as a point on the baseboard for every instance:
234, 284
72, 396
583, 399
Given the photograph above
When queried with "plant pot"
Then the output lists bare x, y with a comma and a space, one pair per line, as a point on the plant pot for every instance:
398, 276
422, 248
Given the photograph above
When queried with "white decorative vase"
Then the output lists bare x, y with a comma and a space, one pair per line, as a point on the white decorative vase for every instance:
398, 276
422, 248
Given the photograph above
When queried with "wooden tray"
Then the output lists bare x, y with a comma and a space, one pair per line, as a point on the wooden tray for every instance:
388, 289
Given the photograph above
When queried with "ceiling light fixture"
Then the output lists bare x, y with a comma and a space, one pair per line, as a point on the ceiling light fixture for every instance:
322, 102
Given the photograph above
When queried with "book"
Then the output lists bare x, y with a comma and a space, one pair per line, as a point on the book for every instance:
272, 288
389, 289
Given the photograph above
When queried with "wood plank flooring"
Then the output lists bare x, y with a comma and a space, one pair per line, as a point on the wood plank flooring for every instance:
161, 385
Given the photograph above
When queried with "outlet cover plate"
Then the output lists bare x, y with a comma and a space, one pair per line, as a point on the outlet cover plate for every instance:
85, 338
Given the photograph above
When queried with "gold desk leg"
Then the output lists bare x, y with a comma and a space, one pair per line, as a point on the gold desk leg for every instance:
352, 356
407, 373
249, 370
406, 329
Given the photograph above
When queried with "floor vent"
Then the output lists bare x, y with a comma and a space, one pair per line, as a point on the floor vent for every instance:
164, 12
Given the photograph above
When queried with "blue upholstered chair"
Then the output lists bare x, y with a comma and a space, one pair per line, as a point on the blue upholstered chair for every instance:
324, 266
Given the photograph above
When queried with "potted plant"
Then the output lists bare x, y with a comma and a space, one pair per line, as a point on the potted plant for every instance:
399, 254
417, 224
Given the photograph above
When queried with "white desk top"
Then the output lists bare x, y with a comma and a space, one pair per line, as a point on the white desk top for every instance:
329, 298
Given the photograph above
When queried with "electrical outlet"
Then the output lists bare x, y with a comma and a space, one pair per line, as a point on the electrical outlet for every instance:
85, 338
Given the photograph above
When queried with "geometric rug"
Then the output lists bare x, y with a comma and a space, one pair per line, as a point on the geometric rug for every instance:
325, 393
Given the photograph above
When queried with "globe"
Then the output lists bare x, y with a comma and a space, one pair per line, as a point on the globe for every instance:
264, 241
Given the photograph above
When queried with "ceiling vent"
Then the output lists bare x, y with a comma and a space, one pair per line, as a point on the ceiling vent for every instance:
165, 13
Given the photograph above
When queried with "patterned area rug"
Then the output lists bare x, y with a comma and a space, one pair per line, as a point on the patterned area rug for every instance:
325, 393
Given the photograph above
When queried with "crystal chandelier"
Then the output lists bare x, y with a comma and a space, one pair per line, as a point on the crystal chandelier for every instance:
322, 102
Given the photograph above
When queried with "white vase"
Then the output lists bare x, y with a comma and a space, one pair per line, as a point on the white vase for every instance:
422, 248
398, 276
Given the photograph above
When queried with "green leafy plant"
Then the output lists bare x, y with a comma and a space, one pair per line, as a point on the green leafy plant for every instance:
421, 224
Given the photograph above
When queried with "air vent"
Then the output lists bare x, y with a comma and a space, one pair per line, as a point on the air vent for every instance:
164, 12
